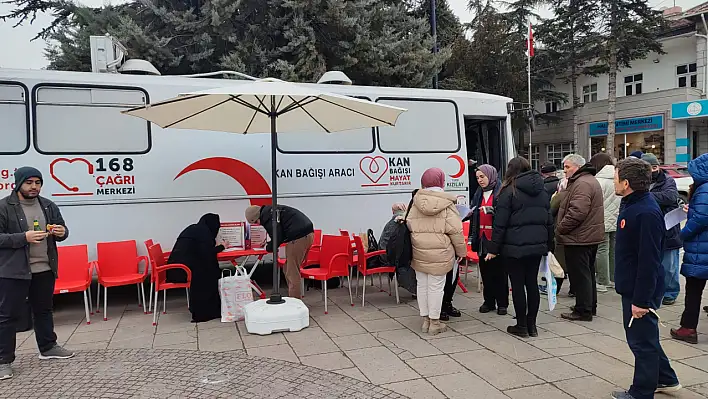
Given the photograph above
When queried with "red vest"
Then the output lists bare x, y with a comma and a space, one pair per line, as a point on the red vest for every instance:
486, 220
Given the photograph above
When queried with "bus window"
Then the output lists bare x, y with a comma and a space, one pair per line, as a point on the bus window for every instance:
356, 141
87, 120
427, 126
13, 114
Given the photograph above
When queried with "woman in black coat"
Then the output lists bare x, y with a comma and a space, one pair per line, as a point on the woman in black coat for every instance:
522, 234
196, 248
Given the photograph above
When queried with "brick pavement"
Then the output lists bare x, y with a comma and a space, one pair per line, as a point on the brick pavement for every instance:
353, 351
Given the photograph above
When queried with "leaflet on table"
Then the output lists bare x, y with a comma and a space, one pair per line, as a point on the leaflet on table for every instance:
258, 235
232, 234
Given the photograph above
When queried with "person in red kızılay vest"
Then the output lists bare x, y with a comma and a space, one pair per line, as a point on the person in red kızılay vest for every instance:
30, 227
295, 230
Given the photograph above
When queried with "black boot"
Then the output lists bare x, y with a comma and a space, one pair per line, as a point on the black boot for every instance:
519, 331
450, 310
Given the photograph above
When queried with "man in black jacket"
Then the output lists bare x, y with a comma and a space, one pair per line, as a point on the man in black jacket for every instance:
550, 178
663, 189
295, 230
639, 279
30, 226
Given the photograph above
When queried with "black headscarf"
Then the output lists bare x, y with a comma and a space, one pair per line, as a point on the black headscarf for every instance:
205, 230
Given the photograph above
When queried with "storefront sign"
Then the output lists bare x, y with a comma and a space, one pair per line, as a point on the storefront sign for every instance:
629, 125
689, 109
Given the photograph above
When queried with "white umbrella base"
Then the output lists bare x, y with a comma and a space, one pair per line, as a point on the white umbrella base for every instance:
263, 318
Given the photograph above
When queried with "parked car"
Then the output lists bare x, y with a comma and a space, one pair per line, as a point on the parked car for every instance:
683, 179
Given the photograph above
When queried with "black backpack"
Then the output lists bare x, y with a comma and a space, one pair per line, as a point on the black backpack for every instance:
399, 250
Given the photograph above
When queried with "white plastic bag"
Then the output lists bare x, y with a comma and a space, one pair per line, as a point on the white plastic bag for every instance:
235, 293
551, 286
555, 266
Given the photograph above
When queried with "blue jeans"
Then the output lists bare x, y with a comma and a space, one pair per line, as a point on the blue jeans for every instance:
670, 261
651, 366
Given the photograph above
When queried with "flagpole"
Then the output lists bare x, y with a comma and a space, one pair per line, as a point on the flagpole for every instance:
528, 65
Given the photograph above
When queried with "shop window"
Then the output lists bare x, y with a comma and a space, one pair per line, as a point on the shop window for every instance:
590, 93
427, 126
633, 84
87, 120
13, 114
535, 152
556, 152
686, 75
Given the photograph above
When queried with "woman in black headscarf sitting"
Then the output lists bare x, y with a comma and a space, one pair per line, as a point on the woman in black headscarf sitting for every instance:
196, 248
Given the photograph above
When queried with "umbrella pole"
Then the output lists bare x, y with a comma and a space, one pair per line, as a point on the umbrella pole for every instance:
275, 298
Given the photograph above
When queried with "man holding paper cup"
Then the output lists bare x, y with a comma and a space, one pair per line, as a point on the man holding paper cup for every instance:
639, 279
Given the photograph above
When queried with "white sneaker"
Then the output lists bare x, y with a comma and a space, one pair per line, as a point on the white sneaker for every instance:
668, 388
601, 288
5, 371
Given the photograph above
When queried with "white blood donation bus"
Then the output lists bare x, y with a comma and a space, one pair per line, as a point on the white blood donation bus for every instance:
118, 177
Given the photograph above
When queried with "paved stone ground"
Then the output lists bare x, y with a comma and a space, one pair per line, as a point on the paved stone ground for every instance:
372, 351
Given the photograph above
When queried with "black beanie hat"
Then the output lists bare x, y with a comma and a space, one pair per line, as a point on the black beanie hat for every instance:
548, 167
24, 173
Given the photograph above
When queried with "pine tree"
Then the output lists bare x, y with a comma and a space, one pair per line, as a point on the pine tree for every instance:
570, 40
375, 42
630, 29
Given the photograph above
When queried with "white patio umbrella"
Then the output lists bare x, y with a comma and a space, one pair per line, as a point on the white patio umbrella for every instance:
268, 106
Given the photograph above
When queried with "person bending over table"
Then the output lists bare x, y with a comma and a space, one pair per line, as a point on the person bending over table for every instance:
295, 230
196, 247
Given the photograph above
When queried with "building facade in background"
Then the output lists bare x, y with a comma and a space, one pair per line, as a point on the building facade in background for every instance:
661, 102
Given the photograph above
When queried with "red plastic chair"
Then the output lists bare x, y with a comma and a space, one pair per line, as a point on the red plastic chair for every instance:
118, 265
159, 270
75, 274
166, 255
471, 257
334, 262
362, 257
313, 255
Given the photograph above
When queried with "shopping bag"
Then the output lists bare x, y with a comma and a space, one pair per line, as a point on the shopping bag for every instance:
235, 292
551, 286
555, 266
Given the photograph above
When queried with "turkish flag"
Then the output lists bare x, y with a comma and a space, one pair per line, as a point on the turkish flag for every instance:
529, 43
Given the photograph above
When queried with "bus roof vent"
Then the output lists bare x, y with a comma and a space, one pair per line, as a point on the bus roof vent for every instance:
335, 78
108, 55
139, 67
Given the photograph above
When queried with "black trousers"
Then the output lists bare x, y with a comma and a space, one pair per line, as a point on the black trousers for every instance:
580, 260
450, 286
692, 307
651, 366
40, 290
523, 273
495, 282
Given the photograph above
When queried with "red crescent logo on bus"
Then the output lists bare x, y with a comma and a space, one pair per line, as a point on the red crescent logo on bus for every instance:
243, 173
462, 166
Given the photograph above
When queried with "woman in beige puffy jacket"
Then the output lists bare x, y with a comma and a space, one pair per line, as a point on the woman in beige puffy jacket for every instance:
436, 238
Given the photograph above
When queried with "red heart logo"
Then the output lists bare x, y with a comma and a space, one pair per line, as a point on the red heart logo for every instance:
374, 171
66, 160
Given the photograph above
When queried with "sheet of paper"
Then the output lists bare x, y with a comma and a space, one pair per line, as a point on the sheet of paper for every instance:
258, 236
464, 210
674, 217
232, 234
